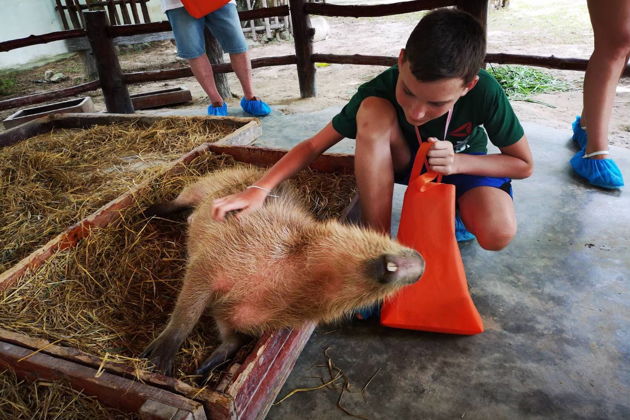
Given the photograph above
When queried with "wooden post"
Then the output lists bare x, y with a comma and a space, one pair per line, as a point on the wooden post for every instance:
115, 91
477, 8
303, 36
215, 55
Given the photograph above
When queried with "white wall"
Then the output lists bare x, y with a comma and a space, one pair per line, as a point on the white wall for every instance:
21, 18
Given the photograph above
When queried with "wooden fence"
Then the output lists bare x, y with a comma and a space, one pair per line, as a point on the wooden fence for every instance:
114, 83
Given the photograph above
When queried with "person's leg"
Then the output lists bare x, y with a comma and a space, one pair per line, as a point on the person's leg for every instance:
225, 26
488, 212
611, 27
243, 68
381, 150
202, 70
188, 33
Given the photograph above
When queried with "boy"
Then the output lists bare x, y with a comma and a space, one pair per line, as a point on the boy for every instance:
438, 73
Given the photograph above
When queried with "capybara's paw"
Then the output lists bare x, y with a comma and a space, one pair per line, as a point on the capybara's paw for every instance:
161, 355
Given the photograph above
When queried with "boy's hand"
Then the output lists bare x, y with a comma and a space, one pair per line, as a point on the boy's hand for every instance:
441, 156
245, 201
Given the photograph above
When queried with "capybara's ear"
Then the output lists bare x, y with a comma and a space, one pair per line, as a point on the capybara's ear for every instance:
403, 268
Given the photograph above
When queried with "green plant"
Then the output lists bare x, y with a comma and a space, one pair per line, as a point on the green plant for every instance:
7, 84
520, 82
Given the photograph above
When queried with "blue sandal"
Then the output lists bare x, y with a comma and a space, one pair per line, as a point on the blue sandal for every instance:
603, 173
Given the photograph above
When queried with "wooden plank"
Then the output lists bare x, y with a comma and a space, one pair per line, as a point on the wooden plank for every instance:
73, 13
260, 379
134, 11
62, 14
48, 96
161, 98
24, 131
213, 401
328, 162
378, 10
112, 390
75, 106
145, 11
124, 13
111, 12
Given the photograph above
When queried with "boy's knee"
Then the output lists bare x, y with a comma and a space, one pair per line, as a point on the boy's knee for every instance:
496, 238
376, 115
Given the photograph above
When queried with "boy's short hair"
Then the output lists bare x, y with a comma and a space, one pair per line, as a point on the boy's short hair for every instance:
446, 43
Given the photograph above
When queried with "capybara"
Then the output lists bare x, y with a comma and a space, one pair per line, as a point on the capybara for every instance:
272, 268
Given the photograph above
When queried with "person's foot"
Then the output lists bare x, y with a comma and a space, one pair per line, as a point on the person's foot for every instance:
461, 233
579, 134
255, 107
218, 110
603, 173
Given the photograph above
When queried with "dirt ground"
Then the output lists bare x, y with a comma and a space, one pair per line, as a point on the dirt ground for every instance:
528, 27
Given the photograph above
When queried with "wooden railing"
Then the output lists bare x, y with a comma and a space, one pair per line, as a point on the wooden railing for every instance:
114, 83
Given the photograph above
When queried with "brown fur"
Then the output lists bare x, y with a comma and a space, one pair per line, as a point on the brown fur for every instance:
279, 267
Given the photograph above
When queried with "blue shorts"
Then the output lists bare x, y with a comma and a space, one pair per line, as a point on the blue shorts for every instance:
464, 182
224, 25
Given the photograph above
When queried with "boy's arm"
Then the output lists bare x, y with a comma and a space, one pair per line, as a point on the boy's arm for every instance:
514, 161
300, 156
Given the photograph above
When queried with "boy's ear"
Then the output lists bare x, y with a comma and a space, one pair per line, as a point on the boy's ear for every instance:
401, 57
468, 86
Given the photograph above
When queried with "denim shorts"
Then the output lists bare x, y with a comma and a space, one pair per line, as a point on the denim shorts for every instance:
465, 182
223, 24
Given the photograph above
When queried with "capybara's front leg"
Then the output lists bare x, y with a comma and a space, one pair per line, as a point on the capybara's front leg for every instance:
192, 301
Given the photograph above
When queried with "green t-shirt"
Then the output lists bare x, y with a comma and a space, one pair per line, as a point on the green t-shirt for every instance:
484, 106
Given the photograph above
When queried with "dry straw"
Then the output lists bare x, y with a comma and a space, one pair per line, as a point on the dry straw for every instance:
113, 293
50, 181
20, 399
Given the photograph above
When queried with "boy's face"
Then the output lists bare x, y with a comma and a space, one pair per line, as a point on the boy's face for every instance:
425, 101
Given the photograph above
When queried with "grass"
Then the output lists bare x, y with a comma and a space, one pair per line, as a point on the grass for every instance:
7, 84
520, 82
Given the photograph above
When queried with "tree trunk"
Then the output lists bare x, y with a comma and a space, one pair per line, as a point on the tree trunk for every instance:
215, 55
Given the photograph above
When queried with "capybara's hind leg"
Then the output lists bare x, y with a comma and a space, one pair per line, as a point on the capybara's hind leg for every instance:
231, 341
191, 303
168, 210
182, 206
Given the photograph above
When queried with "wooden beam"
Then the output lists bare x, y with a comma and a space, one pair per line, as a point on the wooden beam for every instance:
114, 88
379, 10
49, 96
375, 60
112, 390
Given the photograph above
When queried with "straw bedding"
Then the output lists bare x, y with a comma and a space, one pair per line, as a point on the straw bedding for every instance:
50, 181
50, 400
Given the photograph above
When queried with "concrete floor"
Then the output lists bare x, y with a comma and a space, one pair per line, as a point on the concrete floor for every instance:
555, 304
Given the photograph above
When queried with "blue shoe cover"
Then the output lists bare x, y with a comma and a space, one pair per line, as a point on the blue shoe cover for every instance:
579, 134
368, 312
220, 111
602, 173
255, 107
461, 233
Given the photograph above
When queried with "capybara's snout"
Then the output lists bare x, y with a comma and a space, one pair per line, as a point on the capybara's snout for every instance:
401, 269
